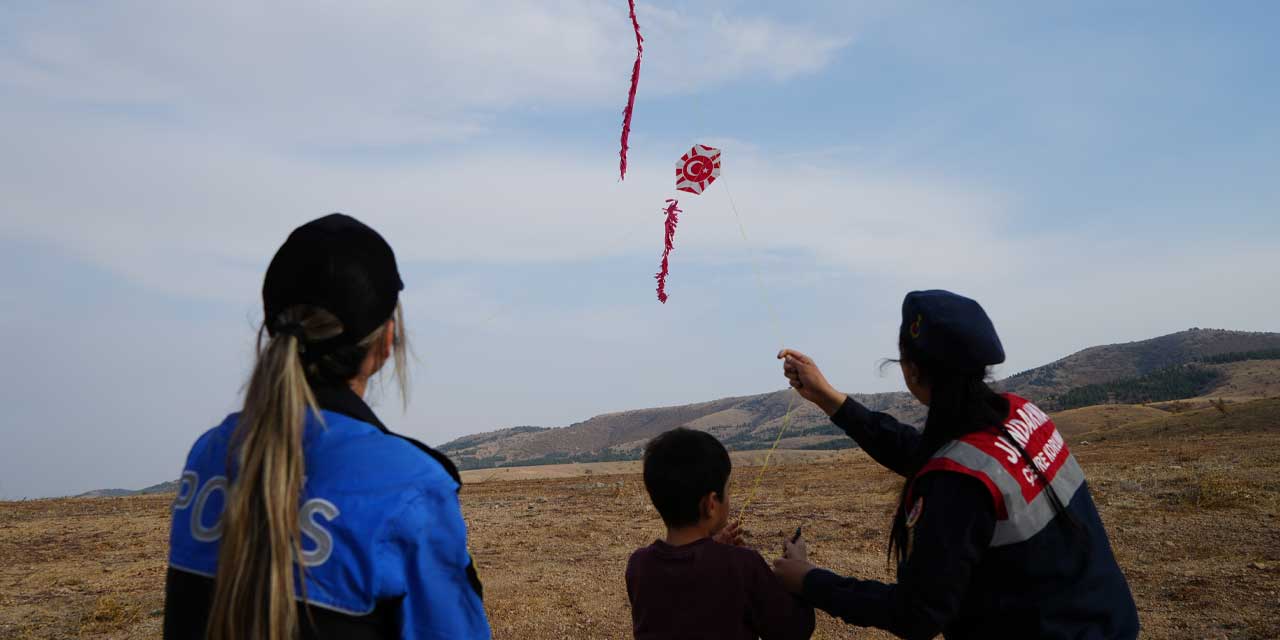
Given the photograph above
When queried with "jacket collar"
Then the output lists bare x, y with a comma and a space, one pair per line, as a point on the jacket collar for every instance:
341, 399
345, 401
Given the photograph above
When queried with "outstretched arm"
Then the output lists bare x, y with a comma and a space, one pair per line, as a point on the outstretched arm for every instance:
775, 613
889, 442
953, 529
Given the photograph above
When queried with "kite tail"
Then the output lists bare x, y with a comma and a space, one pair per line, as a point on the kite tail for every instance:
631, 96
672, 218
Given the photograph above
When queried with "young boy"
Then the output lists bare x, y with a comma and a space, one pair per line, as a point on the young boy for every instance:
697, 583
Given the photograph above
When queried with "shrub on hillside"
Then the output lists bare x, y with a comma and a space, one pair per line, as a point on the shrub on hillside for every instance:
1170, 383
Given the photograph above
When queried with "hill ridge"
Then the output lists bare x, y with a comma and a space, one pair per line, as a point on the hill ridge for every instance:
746, 422
751, 421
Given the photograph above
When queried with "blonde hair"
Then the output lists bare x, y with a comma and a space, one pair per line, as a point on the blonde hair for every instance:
253, 594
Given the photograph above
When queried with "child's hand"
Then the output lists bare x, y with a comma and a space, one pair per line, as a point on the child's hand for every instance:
730, 535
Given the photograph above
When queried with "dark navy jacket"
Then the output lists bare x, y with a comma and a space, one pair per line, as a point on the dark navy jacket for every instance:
987, 556
384, 542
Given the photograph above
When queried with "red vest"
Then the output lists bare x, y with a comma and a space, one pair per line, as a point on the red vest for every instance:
1022, 506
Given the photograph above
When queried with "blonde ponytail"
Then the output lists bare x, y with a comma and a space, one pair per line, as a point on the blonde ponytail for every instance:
254, 587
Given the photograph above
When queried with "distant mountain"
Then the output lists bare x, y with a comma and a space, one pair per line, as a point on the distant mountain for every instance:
1097, 365
752, 422
1240, 366
742, 423
106, 493
164, 487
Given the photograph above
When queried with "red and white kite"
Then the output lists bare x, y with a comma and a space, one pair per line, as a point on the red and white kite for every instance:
697, 169
695, 172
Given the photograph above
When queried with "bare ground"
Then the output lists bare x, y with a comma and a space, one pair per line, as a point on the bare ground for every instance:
1194, 518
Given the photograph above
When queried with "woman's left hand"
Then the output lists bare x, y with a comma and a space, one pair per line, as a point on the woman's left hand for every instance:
792, 572
807, 378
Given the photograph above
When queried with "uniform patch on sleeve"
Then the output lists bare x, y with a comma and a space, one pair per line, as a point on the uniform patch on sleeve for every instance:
916, 510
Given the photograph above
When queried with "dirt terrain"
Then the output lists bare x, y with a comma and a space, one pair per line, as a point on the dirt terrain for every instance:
1077, 421
1192, 503
781, 457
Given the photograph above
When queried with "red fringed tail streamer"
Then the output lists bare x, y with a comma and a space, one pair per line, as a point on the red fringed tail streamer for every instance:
672, 218
631, 96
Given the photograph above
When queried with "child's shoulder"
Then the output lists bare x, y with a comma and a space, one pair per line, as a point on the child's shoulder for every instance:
645, 550
648, 551
707, 550
740, 555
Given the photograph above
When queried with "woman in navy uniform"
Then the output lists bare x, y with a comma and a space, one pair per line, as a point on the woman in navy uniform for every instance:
302, 515
995, 533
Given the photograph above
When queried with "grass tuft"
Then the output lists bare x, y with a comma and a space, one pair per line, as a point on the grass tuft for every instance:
109, 615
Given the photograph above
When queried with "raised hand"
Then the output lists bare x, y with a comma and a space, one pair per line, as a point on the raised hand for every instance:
731, 534
797, 550
793, 566
807, 378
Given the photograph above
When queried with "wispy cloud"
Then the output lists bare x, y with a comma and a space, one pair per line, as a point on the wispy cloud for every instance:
401, 73
189, 215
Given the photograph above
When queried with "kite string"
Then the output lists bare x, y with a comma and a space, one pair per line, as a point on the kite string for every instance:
777, 326
755, 266
751, 495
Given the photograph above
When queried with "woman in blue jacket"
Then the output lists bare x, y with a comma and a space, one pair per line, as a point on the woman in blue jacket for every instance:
302, 515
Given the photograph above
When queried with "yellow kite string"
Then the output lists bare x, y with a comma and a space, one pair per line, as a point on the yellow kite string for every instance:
773, 317
777, 325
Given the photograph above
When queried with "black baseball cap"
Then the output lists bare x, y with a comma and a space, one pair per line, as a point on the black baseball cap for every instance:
951, 329
339, 264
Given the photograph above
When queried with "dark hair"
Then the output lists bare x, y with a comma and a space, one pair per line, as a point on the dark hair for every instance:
960, 402
680, 467
336, 365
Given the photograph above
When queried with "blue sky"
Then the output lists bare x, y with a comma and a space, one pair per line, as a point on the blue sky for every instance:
1091, 172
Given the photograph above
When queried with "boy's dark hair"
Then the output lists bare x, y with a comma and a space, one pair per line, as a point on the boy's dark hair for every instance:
681, 466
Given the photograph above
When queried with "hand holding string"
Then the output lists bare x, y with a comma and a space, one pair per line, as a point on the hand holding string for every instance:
805, 376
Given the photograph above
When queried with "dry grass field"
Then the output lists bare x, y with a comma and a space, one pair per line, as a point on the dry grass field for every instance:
1247, 380
1192, 503
1074, 422
781, 457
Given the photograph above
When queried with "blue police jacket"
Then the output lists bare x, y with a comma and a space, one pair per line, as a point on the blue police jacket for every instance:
383, 538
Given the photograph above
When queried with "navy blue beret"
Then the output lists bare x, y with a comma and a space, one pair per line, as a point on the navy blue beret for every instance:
950, 329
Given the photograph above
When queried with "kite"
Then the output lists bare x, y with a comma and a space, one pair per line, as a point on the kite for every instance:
631, 96
695, 171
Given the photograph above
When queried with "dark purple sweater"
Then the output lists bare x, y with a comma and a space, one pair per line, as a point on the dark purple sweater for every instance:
709, 591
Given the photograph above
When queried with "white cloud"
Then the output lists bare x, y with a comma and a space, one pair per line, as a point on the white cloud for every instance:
686, 51
198, 216
400, 73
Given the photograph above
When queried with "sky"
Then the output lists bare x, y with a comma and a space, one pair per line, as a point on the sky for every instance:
1091, 172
